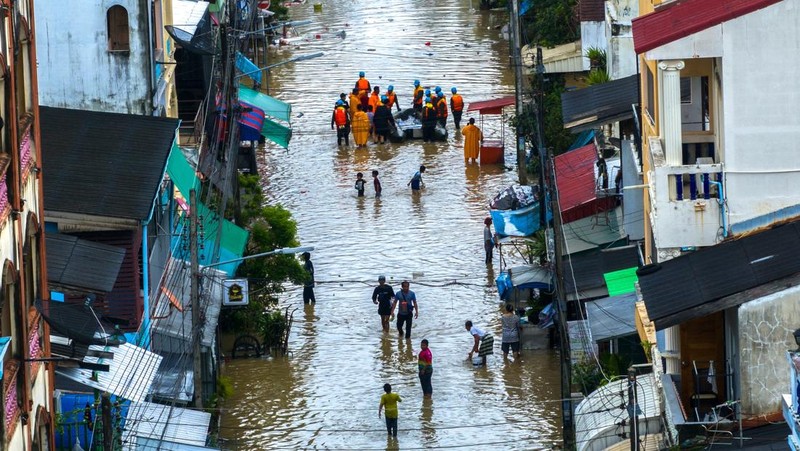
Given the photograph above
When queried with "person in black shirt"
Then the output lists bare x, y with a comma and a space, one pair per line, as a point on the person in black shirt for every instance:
308, 286
382, 296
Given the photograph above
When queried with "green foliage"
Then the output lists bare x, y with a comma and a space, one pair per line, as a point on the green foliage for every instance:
224, 387
271, 227
281, 12
588, 376
597, 57
597, 76
274, 327
537, 247
552, 22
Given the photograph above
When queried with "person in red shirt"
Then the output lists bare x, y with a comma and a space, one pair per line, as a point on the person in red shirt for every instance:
425, 364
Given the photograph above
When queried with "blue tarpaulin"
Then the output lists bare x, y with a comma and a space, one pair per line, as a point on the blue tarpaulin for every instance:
525, 6
247, 67
520, 222
583, 139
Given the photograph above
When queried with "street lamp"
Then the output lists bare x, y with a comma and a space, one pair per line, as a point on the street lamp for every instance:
281, 251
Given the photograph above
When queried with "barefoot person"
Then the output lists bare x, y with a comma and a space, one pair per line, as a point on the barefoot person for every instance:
510, 322
389, 401
382, 296
406, 303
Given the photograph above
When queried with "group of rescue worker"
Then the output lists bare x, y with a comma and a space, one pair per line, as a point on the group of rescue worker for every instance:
430, 106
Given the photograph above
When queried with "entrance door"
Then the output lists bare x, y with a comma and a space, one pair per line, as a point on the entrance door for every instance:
702, 340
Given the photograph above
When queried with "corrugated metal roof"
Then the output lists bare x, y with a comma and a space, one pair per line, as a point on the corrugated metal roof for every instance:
588, 267
687, 287
565, 58
186, 14
601, 418
575, 180
679, 19
172, 331
82, 264
601, 104
494, 106
175, 378
104, 164
592, 10
151, 444
159, 422
130, 374
612, 317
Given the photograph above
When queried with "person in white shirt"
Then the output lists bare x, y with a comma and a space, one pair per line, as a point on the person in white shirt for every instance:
483, 342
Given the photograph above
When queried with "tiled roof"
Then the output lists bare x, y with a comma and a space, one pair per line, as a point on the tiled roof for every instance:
679, 19
592, 10
687, 286
103, 164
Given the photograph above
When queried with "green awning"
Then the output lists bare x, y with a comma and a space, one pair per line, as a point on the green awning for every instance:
232, 240
181, 172
277, 133
621, 282
272, 107
216, 7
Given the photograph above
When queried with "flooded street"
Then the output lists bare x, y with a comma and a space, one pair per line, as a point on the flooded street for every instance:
325, 394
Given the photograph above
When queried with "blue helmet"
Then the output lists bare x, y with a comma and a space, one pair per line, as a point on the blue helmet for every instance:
427, 93
339, 102
427, 100
453, 90
438, 89
361, 74
416, 82
384, 99
390, 88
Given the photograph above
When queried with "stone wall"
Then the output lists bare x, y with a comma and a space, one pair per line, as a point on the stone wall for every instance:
765, 334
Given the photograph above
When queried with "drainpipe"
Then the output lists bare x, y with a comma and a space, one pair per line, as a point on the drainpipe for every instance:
144, 334
150, 65
721, 200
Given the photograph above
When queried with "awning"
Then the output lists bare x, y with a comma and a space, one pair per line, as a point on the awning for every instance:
162, 423
175, 378
622, 281
233, 239
5, 342
191, 26
612, 317
494, 106
584, 272
172, 314
524, 277
130, 373
718, 277
601, 104
77, 264
75, 321
271, 106
181, 172
560, 59
277, 133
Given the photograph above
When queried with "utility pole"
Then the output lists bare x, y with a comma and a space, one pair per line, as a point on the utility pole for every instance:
632, 404
522, 170
540, 135
105, 408
561, 308
197, 371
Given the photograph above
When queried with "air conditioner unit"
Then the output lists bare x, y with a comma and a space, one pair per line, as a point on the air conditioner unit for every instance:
236, 293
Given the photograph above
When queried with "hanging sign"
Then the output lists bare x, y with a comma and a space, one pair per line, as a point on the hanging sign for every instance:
236, 292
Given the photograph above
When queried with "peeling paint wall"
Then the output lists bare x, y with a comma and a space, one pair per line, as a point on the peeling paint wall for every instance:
765, 333
75, 68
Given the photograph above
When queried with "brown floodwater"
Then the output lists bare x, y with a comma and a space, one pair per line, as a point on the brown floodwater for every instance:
325, 393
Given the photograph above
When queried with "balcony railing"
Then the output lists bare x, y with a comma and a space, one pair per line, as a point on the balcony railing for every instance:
696, 182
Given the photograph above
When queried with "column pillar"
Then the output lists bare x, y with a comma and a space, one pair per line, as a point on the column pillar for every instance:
671, 110
672, 350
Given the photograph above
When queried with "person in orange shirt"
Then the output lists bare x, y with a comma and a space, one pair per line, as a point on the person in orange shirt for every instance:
391, 98
341, 122
375, 98
456, 106
441, 108
362, 84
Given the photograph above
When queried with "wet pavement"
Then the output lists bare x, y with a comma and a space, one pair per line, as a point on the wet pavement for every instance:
325, 394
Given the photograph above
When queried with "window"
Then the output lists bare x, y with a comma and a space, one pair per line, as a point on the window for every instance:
686, 90
118, 29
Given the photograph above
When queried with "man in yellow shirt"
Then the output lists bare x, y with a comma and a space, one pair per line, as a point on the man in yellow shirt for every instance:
389, 400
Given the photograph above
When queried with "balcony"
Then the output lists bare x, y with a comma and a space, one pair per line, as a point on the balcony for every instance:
684, 199
11, 409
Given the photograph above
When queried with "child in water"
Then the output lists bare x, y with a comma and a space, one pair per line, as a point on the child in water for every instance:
360, 183
389, 400
376, 183
416, 181
370, 115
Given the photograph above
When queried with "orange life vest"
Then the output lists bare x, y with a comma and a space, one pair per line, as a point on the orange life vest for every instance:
419, 93
456, 102
374, 100
362, 84
340, 116
441, 107
392, 99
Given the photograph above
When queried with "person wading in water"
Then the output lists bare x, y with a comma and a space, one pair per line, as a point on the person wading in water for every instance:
382, 296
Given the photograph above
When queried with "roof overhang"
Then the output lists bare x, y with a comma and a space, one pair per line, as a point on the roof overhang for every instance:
191, 27
78, 264
494, 106
147, 422
612, 317
565, 58
601, 104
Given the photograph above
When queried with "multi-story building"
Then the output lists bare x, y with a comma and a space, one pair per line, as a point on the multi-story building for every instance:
27, 390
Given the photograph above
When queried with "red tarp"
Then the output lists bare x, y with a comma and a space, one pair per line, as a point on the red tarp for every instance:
674, 21
492, 106
577, 187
